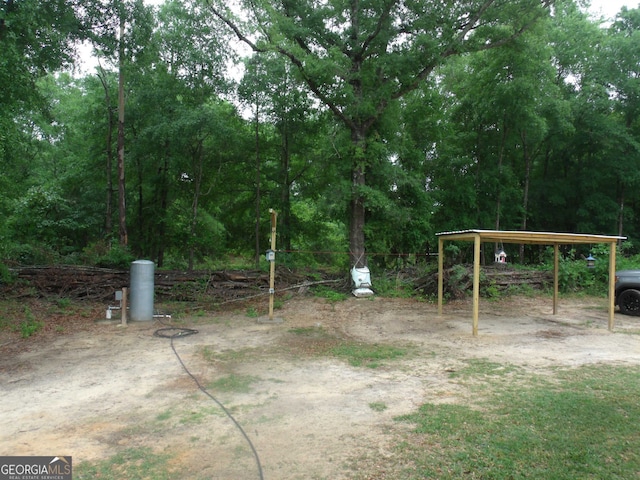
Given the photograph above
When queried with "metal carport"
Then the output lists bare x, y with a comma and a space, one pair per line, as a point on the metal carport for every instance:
523, 237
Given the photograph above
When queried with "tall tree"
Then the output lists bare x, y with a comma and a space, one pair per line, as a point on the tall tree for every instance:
104, 81
277, 98
358, 57
122, 209
620, 62
171, 88
253, 90
120, 33
36, 38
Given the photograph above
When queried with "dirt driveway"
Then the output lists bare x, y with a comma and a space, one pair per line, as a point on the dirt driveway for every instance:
310, 415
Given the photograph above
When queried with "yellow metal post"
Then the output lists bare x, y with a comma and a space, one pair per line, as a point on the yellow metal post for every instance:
612, 282
272, 267
476, 283
440, 273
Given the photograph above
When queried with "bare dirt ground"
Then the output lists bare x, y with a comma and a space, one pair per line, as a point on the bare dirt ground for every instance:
103, 388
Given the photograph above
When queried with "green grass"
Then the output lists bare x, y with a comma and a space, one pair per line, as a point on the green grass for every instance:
233, 383
132, 464
211, 355
476, 368
311, 333
393, 286
367, 355
193, 417
29, 325
578, 424
378, 406
327, 293
19, 318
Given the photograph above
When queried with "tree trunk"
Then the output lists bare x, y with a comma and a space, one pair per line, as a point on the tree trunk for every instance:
108, 221
357, 207
621, 212
286, 190
503, 142
257, 225
525, 194
121, 178
199, 173
164, 205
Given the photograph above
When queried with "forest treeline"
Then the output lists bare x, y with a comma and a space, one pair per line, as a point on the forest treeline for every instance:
367, 126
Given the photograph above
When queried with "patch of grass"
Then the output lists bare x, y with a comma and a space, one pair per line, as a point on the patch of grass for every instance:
580, 424
367, 355
29, 325
311, 332
163, 416
192, 417
12, 314
332, 296
491, 291
378, 406
233, 383
479, 367
252, 312
28, 328
211, 355
524, 289
5, 323
63, 303
393, 286
303, 331
134, 463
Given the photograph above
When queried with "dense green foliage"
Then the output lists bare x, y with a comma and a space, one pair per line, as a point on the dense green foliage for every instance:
540, 133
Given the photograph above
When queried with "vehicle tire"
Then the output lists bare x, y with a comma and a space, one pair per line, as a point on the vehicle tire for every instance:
629, 302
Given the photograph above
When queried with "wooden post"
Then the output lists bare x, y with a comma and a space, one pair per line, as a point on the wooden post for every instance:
476, 283
556, 282
123, 309
272, 269
440, 273
612, 282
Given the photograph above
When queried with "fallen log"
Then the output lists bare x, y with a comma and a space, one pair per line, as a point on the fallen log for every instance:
101, 283
458, 281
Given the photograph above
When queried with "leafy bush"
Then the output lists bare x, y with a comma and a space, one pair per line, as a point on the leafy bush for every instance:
6, 276
29, 325
103, 255
331, 295
28, 254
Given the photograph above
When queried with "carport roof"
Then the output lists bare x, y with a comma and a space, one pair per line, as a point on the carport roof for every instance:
546, 238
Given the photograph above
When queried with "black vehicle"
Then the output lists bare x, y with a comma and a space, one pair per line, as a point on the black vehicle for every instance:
628, 291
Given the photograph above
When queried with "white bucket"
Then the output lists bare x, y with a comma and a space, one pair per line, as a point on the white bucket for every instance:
362, 282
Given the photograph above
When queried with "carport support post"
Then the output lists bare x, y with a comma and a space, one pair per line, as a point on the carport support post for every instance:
556, 269
612, 282
476, 283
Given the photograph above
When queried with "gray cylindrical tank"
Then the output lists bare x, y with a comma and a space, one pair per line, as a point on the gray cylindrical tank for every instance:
141, 291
